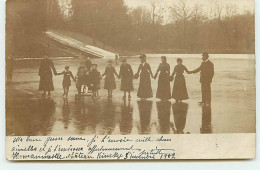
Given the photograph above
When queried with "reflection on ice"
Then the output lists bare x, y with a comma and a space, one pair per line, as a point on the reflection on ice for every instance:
179, 110
126, 122
164, 112
206, 120
145, 110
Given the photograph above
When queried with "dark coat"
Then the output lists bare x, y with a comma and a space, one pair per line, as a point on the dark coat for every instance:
145, 88
45, 73
179, 91
110, 82
206, 70
94, 79
127, 76
164, 89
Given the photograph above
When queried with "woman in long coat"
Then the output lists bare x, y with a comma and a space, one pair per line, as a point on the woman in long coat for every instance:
164, 89
45, 73
110, 82
179, 91
145, 72
126, 75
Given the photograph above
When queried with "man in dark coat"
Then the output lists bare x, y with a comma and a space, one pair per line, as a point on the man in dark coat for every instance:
45, 73
206, 70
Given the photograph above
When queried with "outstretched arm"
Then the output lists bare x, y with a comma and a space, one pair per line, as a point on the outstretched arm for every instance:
71, 75
60, 73
157, 71
116, 73
150, 71
186, 70
173, 73
138, 71
197, 70
53, 68
131, 71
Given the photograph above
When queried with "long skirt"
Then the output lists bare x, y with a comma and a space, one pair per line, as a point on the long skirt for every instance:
145, 88
110, 83
127, 84
46, 83
179, 91
164, 89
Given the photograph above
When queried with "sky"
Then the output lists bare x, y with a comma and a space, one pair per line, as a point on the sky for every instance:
241, 4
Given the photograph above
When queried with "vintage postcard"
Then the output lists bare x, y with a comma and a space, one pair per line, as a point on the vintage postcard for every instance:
130, 79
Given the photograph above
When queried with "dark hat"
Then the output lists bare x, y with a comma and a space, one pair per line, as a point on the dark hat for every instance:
66, 67
143, 56
205, 54
164, 58
110, 61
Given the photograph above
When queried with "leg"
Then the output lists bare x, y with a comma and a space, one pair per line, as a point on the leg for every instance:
203, 93
67, 91
64, 90
44, 93
129, 95
49, 93
208, 93
79, 90
124, 97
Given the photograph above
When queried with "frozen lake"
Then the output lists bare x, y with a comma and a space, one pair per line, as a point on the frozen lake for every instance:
232, 109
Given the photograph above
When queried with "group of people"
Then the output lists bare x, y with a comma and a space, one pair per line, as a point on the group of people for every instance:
88, 75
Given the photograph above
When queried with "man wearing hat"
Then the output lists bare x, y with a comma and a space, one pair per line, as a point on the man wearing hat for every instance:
206, 70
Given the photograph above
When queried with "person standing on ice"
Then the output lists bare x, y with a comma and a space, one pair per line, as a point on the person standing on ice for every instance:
45, 73
206, 70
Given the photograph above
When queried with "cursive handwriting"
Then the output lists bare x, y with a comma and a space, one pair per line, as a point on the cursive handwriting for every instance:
91, 147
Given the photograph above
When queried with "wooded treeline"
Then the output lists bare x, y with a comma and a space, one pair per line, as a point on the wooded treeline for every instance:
187, 29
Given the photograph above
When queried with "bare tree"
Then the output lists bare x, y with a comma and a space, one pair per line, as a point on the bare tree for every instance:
139, 16
231, 10
218, 8
156, 12
183, 12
